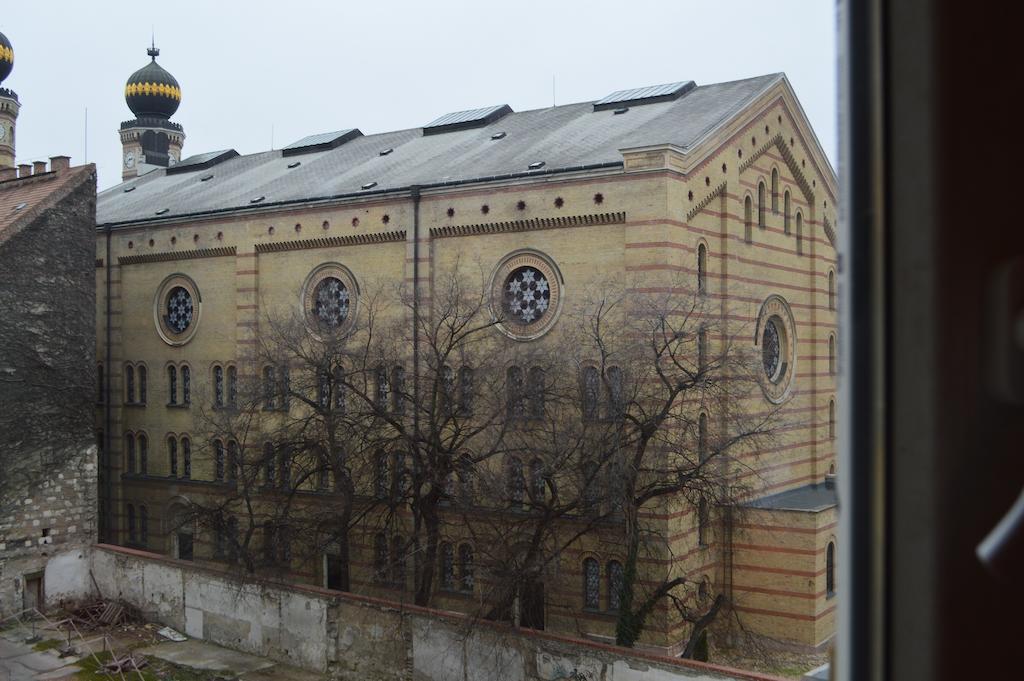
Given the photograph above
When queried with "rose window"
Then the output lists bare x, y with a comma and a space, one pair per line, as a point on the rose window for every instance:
527, 295
331, 303
771, 350
179, 309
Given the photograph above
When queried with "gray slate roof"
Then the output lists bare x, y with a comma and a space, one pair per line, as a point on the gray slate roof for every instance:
812, 498
564, 137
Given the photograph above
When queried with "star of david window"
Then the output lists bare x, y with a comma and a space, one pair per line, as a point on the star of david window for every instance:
527, 295
771, 350
331, 303
179, 310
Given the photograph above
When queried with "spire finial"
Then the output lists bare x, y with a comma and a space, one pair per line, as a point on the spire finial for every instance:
153, 51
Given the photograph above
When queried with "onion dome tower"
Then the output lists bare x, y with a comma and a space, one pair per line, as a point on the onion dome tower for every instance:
9, 105
151, 140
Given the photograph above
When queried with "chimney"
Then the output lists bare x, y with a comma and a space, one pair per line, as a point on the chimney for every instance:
60, 163
38, 167
24, 170
8, 174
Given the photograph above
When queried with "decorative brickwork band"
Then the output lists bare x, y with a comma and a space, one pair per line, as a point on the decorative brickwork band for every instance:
830, 233
787, 155
329, 241
717, 191
176, 255
529, 225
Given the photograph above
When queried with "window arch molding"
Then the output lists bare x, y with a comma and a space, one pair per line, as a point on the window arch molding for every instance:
590, 572
540, 267
775, 190
748, 218
180, 292
831, 289
703, 252
762, 199
327, 311
830, 567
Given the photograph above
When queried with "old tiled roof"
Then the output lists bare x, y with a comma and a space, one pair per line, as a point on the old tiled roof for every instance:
562, 137
24, 199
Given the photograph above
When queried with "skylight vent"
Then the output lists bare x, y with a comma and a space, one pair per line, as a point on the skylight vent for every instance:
387, 151
20, 206
257, 199
206, 178
621, 110
322, 142
129, 189
644, 95
294, 164
464, 120
162, 211
536, 165
369, 185
499, 135
202, 161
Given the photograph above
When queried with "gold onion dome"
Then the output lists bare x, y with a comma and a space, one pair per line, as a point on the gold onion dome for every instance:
152, 91
6, 57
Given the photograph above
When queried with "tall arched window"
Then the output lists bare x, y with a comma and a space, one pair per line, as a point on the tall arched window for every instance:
748, 220
831, 290
398, 389
218, 386
232, 387
466, 576
340, 401
538, 481
129, 384
172, 385
232, 460
514, 393
218, 461
615, 582
381, 477
830, 570
591, 584
785, 212
143, 525
616, 396
323, 389
831, 419
383, 387
132, 534
799, 233
591, 392
515, 481
380, 557
269, 388
129, 452
466, 485
536, 393
447, 557
832, 354
143, 444
702, 268
284, 467
775, 190
172, 456
466, 390
286, 387
186, 385
702, 437
186, 457
141, 371
269, 467
761, 207
398, 560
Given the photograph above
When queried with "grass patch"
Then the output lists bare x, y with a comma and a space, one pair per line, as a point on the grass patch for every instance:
92, 670
48, 644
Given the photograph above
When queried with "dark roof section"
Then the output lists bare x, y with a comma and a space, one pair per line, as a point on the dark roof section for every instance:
568, 138
645, 95
464, 120
322, 142
202, 161
809, 498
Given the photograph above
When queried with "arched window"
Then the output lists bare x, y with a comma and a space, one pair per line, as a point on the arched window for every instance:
381, 481
141, 371
186, 385
831, 419
269, 388
398, 560
616, 397
232, 460
748, 220
172, 385
232, 387
466, 390
380, 557
218, 386
591, 392
702, 437
447, 558
284, 467
703, 522
799, 233
466, 480
186, 457
702, 268
785, 212
129, 384
538, 481
323, 389
466, 568
830, 570
536, 392
132, 534
761, 205
143, 525
398, 389
383, 388
775, 190
339, 391
831, 354
172, 456
218, 461
591, 584
514, 393
615, 582
129, 452
831, 290
269, 469
143, 444
515, 481
286, 387
446, 389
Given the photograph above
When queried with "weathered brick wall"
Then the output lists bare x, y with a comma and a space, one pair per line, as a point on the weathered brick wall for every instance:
48, 468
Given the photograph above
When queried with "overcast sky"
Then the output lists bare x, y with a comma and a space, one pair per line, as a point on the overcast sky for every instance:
252, 71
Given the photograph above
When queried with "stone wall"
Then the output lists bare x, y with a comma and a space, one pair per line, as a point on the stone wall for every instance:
357, 637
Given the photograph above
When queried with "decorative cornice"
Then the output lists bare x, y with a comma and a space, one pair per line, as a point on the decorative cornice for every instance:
331, 241
166, 256
830, 232
529, 225
717, 191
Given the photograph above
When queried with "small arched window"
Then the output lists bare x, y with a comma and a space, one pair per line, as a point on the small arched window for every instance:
702, 269
172, 385
466, 485
186, 457
129, 452
129, 384
466, 390
143, 444
748, 220
218, 386
232, 460
339, 391
616, 396
514, 393
132, 533
284, 467
383, 387
831, 419
591, 584
591, 392
447, 557
830, 570
323, 389
515, 481
232, 387
615, 583
799, 233
775, 190
466, 577
381, 481
218, 460
172, 456
141, 372
536, 393
831, 290
702, 437
832, 354
269, 469
380, 557
143, 525
269, 388
785, 212
538, 481
398, 389
186, 385
761, 207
